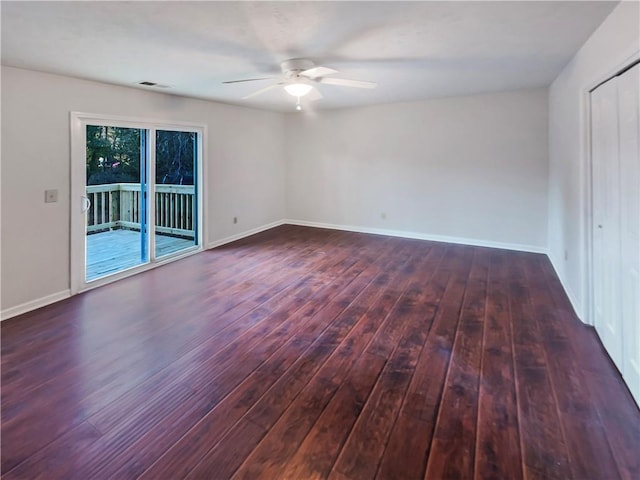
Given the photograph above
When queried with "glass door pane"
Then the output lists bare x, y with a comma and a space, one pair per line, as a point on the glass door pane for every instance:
176, 196
116, 217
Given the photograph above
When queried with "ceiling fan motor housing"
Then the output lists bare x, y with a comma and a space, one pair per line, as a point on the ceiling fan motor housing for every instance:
291, 68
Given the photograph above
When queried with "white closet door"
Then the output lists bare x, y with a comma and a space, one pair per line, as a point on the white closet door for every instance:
606, 222
629, 151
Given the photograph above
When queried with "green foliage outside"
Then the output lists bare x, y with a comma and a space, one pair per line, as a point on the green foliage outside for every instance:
113, 156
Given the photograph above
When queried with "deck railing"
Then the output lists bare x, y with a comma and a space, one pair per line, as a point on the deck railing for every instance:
117, 205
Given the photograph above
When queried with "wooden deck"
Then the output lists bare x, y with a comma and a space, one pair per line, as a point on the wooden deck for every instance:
303, 353
117, 250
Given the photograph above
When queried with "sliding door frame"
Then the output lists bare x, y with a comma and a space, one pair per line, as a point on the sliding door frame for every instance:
77, 230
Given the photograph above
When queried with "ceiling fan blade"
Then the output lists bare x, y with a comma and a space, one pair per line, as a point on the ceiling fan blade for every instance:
263, 90
318, 72
313, 95
344, 82
249, 80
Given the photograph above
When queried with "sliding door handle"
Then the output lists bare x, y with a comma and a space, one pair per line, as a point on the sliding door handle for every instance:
86, 203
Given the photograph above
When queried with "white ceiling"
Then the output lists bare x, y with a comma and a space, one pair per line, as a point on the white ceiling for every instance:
414, 50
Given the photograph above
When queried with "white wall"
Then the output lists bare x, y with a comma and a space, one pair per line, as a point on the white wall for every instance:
245, 166
472, 169
611, 45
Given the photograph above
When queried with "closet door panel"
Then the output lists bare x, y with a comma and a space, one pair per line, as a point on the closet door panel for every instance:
629, 152
606, 222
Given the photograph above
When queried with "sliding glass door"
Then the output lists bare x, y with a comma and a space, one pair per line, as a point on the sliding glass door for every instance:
139, 196
116, 214
175, 200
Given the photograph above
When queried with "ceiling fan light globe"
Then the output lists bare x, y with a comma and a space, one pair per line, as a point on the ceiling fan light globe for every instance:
298, 89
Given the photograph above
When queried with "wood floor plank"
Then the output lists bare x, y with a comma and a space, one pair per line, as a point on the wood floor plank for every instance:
125, 361
216, 295
359, 332
587, 446
282, 440
424, 392
317, 453
621, 423
227, 455
619, 415
115, 383
543, 445
36, 324
498, 454
528, 349
54, 461
173, 461
414, 312
126, 452
223, 414
360, 455
217, 266
453, 445
405, 456
544, 451
311, 353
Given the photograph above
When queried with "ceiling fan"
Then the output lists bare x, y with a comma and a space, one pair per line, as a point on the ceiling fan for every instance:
298, 76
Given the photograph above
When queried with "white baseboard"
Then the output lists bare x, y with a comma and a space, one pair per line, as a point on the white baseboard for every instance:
34, 304
41, 302
577, 306
56, 297
247, 233
422, 236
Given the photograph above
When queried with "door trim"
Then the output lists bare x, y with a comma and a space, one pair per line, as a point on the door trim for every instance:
78, 123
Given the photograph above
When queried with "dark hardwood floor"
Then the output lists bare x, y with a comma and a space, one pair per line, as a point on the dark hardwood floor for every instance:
304, 353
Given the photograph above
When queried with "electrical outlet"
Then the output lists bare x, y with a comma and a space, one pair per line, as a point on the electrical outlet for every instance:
235, 219
50, 196
383, 216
